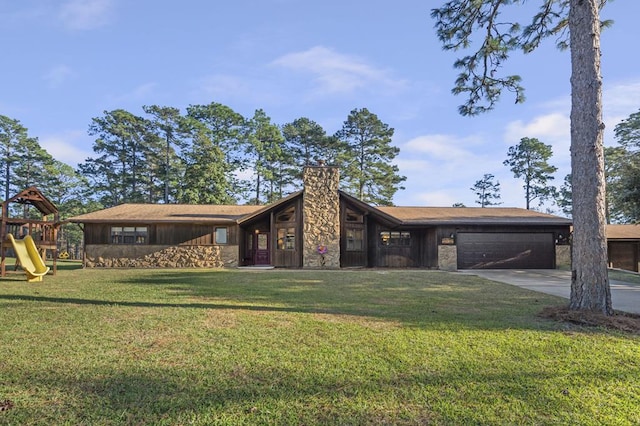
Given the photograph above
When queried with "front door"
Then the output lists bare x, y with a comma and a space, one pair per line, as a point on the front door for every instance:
261, 249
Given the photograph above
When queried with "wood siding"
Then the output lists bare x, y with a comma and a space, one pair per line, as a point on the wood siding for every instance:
420, 252
164, 234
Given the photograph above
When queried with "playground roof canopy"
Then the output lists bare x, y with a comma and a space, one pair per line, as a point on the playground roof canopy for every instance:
33, 196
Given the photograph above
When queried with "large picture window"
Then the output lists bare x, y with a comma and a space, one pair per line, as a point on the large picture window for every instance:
129, 235
287, 238
395, 238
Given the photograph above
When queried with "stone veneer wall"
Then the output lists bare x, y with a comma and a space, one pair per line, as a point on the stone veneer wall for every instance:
160, 256
447, 257
321, 217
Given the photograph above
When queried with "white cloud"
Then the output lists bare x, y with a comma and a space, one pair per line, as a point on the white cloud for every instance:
57, 75
620, 101
85, 14
549, 128
440, 146
441, 169
68, 147
438, 198
337, 73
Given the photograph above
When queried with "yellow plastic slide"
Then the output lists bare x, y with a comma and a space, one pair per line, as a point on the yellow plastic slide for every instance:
29, 258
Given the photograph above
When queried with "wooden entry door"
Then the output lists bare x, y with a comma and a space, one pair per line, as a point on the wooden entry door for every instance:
261, 249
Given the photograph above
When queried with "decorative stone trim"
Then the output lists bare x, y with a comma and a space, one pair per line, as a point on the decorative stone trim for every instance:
447, 258
156, 256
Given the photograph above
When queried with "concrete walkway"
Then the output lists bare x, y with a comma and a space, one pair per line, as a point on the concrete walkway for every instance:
624, 297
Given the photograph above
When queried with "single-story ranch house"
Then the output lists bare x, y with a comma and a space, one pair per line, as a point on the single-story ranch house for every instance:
323, 227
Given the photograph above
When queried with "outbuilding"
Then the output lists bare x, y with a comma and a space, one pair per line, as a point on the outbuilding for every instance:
623, 246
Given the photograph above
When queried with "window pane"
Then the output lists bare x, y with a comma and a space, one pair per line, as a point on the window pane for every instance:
287, 215
221, 235
129, 234
395, 238
141, 235
263, 243
286, 239
116, 235
352, 216
281, 235
290, 239
384, 238
355, 239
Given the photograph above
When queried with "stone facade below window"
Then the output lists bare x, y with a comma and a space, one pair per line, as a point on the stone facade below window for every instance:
160, 256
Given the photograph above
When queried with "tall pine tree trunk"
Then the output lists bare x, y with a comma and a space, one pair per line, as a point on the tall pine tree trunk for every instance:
589, 280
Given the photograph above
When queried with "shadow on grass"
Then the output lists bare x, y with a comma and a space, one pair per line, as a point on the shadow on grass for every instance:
414, 298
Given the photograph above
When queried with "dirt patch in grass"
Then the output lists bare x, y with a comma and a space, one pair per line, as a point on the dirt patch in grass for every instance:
621, 321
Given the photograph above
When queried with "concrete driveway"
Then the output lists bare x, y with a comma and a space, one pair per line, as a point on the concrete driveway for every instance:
624, 297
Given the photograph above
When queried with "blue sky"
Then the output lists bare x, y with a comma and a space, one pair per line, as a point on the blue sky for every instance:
66, 61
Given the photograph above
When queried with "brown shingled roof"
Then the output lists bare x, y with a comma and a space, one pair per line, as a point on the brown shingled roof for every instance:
623, 232
145, 213
471, 215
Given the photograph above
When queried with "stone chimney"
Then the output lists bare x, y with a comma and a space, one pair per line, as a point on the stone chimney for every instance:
321, 217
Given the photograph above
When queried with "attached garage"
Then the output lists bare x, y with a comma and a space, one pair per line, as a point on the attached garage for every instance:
492, 250
489, 238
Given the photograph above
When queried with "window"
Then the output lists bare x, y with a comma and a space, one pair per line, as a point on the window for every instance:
129, 235
354, 217
395, 238
287, 238
288, 215
355, 240
221, 235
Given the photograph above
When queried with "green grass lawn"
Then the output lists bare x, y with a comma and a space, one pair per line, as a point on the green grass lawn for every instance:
626, 276
182, 347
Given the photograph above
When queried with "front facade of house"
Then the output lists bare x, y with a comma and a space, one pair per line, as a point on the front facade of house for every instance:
323, 227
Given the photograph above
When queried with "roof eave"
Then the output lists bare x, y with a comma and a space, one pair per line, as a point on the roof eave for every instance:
486, 222
147, 221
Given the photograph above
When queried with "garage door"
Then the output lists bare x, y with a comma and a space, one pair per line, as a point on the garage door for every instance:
505, 250
623, 255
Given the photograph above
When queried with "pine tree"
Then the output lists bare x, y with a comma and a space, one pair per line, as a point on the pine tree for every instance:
529, 160
487, 191
367, 169
457, 21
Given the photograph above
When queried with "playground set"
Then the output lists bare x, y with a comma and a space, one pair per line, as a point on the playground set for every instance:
30, 238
